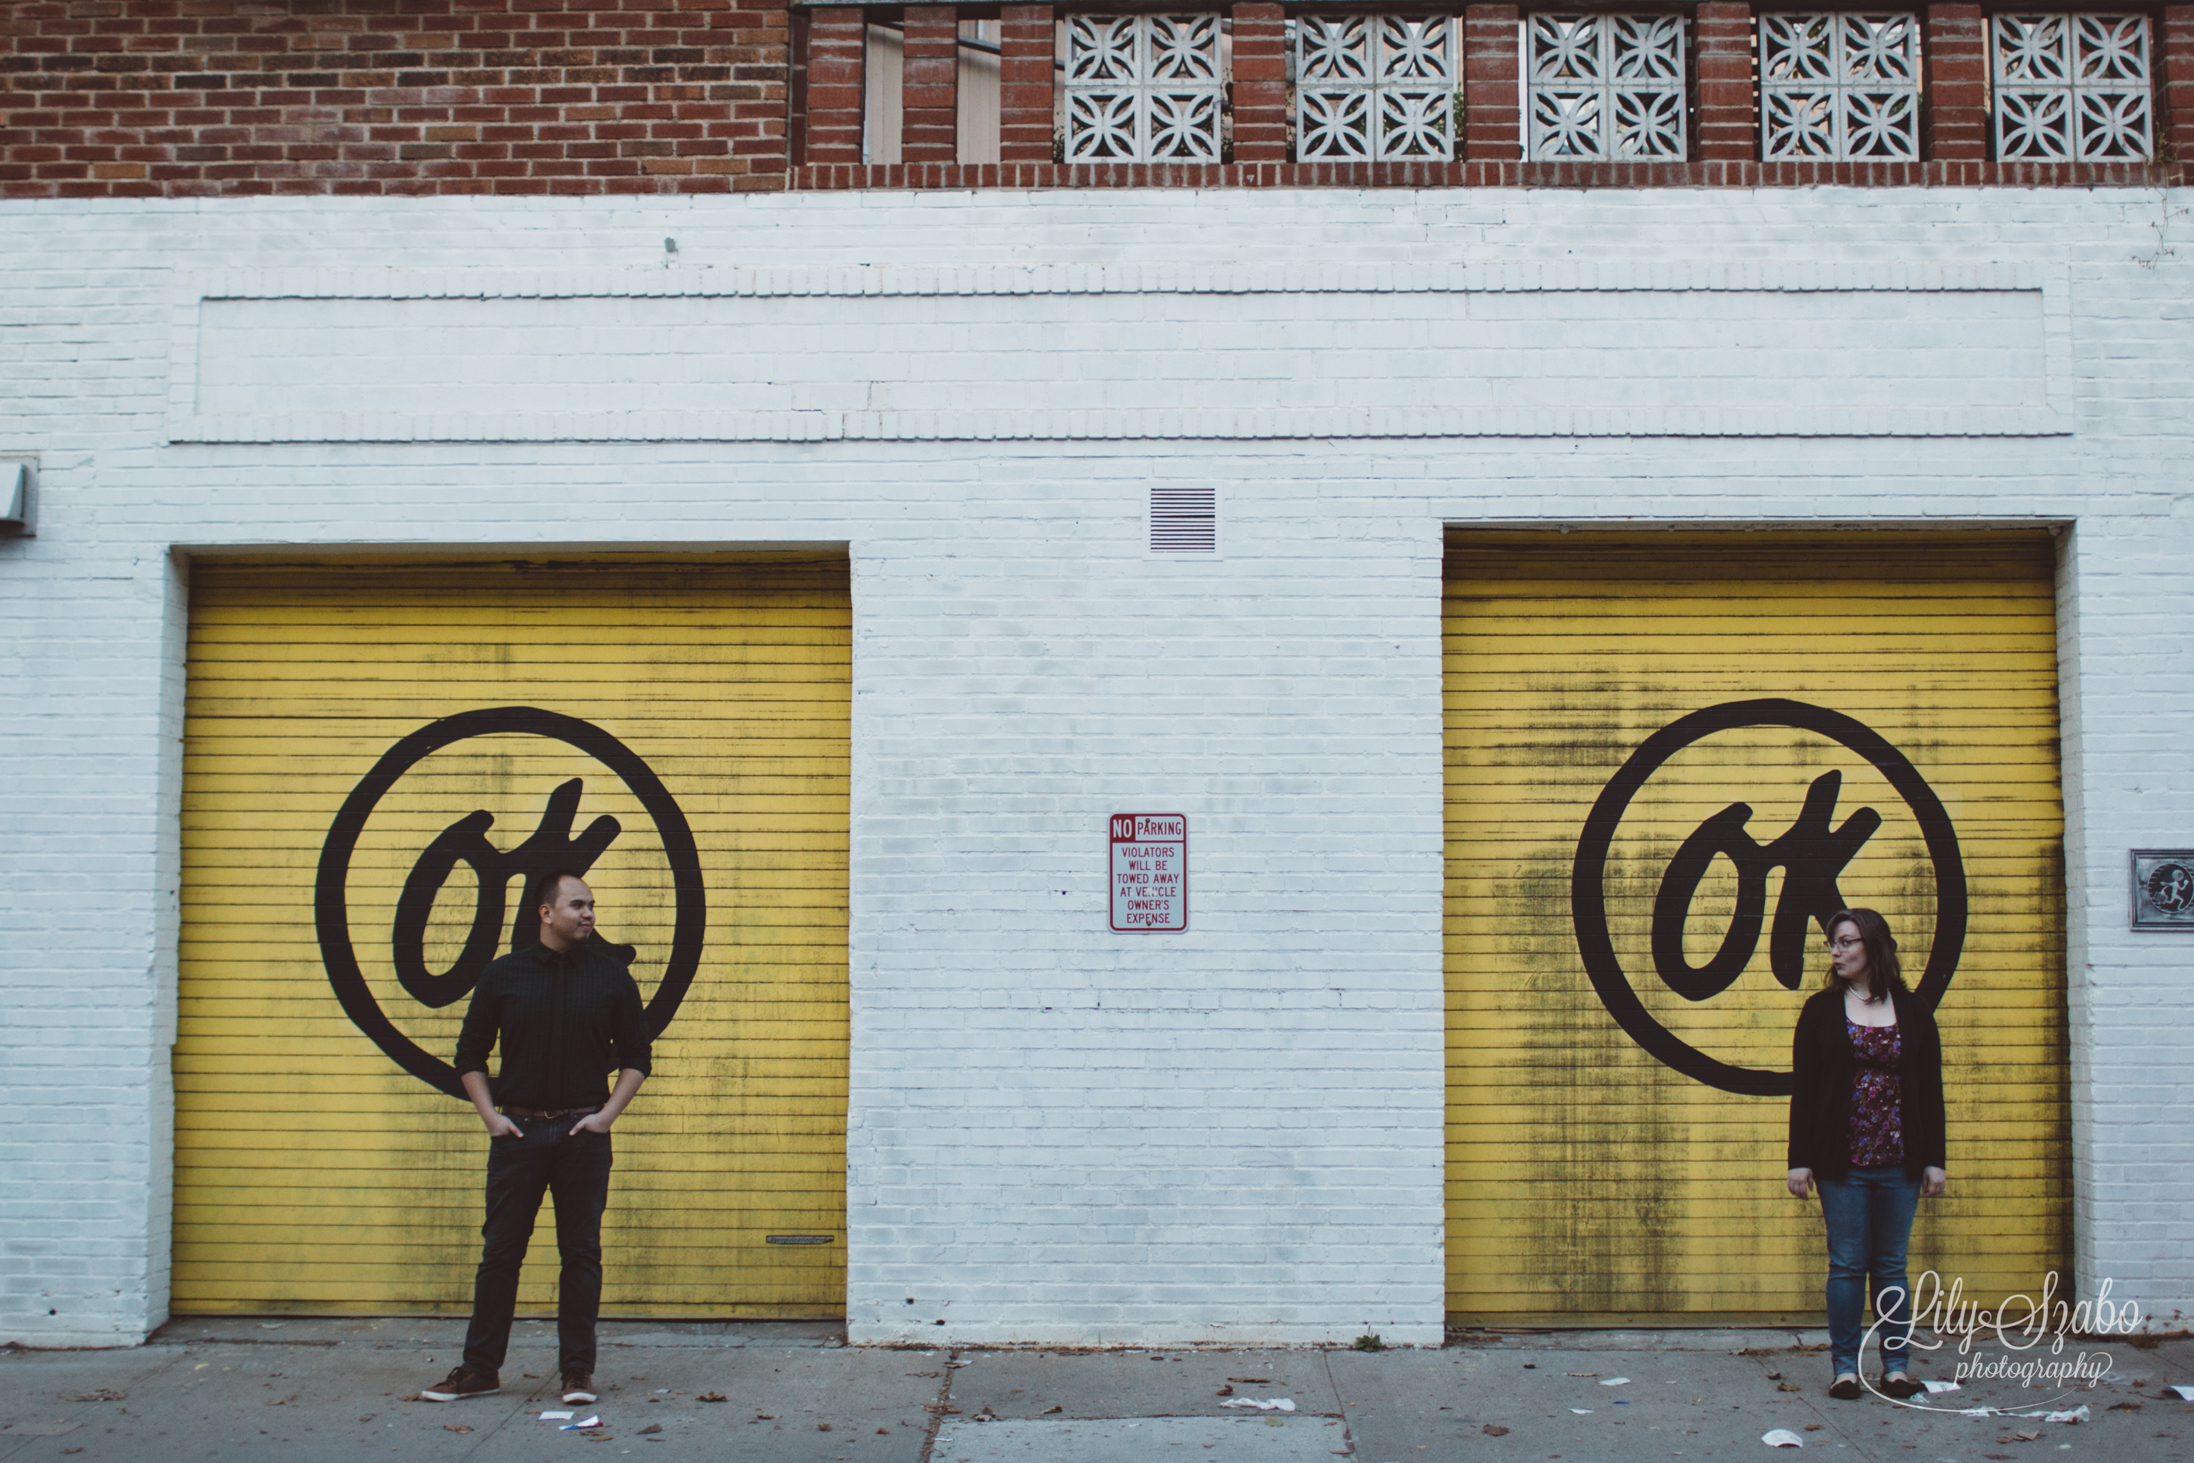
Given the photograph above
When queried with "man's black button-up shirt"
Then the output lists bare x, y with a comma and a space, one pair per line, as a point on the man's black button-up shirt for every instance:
564, 1021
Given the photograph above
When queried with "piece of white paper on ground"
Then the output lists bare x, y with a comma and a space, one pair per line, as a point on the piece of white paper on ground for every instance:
1270, 1404
1935, 1387
1616, 1382
557, 1416
1782, 1437
2069, 1414
572, 1427
1265, 1439
2184, 1394
1582, 1411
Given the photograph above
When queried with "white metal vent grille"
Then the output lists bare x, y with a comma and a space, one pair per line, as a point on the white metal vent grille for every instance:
1143, 88
1184, 520
2072, 86
1606, 86
1843, 86
1374, 86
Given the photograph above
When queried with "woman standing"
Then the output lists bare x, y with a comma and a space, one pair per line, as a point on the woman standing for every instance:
1866, 1129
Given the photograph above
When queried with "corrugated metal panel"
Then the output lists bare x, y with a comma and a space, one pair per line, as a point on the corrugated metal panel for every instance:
312, 1172
1588, 1179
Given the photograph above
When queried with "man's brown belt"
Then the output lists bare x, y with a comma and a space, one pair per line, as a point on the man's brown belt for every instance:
562, 1112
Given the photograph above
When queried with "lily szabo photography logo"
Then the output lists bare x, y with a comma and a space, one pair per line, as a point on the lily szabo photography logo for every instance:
2033, 1344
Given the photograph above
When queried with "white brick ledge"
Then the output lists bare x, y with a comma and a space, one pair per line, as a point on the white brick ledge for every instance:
1748, 276
605, 421
1069, 426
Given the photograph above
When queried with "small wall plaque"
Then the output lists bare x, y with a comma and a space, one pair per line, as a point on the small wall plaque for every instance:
1149, 872
2163, 889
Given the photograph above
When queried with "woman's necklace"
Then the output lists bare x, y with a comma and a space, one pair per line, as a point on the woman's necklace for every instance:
1862, 1012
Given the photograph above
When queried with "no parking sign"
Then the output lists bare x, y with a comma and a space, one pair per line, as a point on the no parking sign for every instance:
1149, 872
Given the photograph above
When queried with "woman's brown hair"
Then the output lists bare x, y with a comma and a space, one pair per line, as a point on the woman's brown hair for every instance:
1884, 972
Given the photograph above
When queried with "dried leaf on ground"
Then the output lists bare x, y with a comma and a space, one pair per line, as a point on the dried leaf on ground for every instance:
712, 1397
1494, 1430
99, 1394
457, 1427
1788, 1387
653, 1427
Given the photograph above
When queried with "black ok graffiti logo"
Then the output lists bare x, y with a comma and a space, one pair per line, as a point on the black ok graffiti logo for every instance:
465, 841
1812, 854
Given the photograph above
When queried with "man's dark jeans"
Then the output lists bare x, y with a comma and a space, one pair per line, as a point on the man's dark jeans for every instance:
547, 1158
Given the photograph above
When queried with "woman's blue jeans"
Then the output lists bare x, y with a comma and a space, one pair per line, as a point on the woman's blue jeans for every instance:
1869, 1216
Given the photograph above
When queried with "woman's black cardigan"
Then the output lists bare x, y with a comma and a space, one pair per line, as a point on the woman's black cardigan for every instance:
1820, 1102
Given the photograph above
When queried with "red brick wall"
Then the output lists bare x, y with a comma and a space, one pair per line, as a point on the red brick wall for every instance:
929, 81
1728, 118
191, 97
196, 97
2175, 64
1260, 83
1492, 123
1954, 122
1025, 85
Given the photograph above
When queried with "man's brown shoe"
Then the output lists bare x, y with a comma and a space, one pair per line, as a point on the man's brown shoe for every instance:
462, 1382
579, 1387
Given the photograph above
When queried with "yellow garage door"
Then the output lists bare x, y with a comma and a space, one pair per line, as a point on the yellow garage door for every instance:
1667, 756
374, 758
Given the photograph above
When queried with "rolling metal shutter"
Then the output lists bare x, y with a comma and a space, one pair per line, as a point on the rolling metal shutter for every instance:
1615, 1110
343, 717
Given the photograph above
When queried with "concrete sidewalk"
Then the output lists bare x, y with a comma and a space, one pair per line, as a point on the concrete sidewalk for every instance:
307, 1391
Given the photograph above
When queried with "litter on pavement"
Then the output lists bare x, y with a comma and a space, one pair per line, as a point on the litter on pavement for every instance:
1616, 1382
2184, 1394
1935, 1387
1782, 1437
572, 1427
2077, 1414
1270, 1404
556, 1416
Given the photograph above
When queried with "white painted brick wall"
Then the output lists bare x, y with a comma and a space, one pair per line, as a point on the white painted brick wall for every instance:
1057, 1133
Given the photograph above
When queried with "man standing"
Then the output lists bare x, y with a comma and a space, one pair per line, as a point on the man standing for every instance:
567, 1012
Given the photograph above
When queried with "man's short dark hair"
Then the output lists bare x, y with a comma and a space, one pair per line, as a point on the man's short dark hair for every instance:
548, 885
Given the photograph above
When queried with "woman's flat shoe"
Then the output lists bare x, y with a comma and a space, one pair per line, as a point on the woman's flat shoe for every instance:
1901, 1386
1845, 1388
